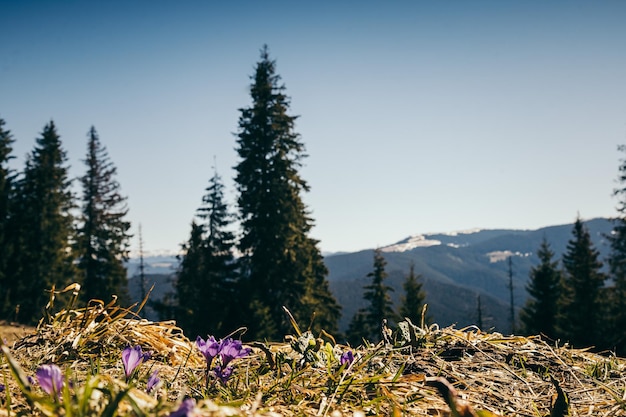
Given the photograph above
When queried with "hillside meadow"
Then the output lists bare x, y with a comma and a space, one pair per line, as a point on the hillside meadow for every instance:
415, 370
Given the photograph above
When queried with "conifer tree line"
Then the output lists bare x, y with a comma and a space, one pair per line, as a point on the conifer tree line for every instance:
582, 300
227, 279
247, 275
50, 237
369, 322
278, 263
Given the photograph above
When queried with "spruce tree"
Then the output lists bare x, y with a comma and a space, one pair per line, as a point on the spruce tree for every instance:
102, 241
412, 303
479, 313
378, 294
539, 315
358, 330
281, 263
368, 320
187, 297
44, 226
6, 247
221, 274
617, 265
511, 287
206, 283
580, 303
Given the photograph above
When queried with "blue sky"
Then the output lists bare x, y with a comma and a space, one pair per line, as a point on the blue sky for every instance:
417, 116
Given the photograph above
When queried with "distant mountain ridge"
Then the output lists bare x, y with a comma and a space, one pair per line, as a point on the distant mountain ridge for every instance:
458, 267
455, 267
163, 263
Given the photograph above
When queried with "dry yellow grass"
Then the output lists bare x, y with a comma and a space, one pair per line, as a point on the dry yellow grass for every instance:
411, 375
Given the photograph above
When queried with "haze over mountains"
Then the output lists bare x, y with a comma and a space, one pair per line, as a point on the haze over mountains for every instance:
455, 268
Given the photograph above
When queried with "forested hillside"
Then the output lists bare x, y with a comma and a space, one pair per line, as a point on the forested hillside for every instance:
453, 273
456, 271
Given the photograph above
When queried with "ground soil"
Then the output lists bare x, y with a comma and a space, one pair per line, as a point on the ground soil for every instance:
10, 332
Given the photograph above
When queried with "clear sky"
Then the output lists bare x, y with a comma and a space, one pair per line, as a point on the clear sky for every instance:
417, 116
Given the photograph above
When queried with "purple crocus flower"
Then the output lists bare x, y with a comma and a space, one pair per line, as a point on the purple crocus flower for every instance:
132, 358
232, 349
153, 381
50, 379
223, 374
209, 349
346, 358
186, 407
2, 387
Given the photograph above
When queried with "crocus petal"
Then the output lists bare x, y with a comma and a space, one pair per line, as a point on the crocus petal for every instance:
232, 349
50, 379
131, 358
213, 346
2, 387
153, 381
186, 407
346, 358
209, 349
223, 374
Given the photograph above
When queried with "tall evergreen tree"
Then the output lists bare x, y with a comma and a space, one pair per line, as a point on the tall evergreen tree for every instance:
206, 283
44, 225
282, 265
367, 321
102, 241
220, 274
511, 287
479, 313
6, 247
580, 303
358, 329
617, 264
412, 303
539, 315
378, 293
187, 297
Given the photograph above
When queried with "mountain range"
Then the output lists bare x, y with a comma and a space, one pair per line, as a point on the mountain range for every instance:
455, 269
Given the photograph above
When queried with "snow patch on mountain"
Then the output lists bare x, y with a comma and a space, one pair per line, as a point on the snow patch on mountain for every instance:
455, 245
154, 262
156, 253
431, 239
459, 232
503, 255
499, 256
412, 242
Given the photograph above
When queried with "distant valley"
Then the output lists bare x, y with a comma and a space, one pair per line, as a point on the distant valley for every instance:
455, 268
